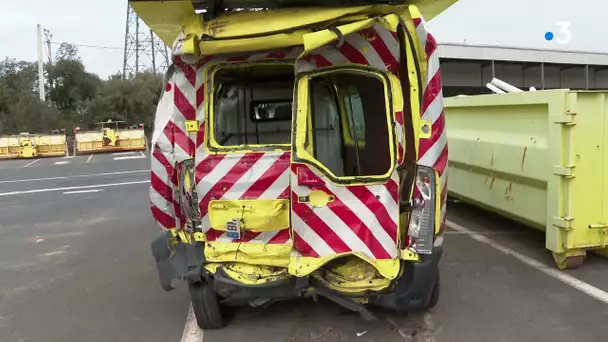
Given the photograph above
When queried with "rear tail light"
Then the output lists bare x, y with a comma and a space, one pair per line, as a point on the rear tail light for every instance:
421, 228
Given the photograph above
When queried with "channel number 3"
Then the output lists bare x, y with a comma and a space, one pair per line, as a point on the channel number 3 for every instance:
564, 35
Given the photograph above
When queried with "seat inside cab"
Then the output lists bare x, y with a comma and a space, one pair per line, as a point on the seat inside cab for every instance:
253, 104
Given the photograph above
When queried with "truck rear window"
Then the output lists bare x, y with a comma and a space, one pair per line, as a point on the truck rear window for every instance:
253, 105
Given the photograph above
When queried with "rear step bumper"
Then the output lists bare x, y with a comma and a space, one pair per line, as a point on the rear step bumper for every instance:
411, 292
184, 262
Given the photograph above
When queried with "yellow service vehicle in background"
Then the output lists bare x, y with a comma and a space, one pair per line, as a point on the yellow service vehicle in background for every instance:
111, 136
27, 145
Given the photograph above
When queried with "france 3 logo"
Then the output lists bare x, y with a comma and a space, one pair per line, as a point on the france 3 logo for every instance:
563, 36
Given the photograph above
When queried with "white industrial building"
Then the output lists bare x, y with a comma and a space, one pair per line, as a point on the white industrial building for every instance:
465, 69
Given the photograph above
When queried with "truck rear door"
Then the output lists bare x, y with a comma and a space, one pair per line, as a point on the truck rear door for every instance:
347, 145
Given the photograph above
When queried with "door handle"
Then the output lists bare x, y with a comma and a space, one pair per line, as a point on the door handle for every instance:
317, 198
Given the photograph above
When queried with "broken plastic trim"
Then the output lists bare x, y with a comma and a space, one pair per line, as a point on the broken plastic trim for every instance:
188, 198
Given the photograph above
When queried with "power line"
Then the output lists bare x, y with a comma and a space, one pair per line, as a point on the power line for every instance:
91, 46
143, 51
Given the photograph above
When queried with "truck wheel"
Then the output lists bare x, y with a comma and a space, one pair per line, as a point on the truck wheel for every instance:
435, 294
206, 306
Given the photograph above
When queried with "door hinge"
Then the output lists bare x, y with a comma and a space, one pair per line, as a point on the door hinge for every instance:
566, 119
563, 222
564, 170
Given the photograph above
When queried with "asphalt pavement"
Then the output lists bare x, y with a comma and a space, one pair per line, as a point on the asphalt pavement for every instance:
75, 265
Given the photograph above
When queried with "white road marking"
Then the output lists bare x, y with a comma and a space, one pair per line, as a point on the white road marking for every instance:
122, 153
67, 188
76, 176
192, 333
68, 157
143, 155
54, 253
129, 157
486, 232
90, 157
551, 272
32, 162
61, 162
81, 191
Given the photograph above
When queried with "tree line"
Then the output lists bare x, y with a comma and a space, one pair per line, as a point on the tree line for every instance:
74, 97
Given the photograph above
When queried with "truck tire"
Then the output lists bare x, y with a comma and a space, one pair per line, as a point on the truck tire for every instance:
435, 294
206, 306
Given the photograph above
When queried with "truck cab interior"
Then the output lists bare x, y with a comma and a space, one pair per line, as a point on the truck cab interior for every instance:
348, 130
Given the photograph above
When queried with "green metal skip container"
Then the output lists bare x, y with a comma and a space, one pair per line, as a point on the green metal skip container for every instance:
540, 158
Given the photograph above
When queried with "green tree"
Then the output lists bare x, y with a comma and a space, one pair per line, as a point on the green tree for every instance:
75, 97
67, 52
132, 100
73, 87
20, 107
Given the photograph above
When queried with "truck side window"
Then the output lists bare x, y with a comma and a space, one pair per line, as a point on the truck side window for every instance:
354, 112
350, 106
326, 126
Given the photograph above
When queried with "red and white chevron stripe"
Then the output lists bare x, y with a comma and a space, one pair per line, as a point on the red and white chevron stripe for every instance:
360, 219
375, 46
239, 176
174, 144
201, 93
433, 152
243, 176
163, 177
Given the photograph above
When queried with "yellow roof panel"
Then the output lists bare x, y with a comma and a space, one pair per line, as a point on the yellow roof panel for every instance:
168, 18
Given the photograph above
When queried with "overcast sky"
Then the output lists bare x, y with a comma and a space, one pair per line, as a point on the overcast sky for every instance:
520, 23
523, 23
89, 22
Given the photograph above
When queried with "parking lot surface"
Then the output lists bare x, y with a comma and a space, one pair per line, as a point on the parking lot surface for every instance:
75, 265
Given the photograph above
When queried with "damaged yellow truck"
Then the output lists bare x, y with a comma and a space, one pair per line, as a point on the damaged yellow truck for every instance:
299, 150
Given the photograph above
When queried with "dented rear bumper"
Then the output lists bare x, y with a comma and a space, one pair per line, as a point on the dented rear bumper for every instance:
411, 291
182, 261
